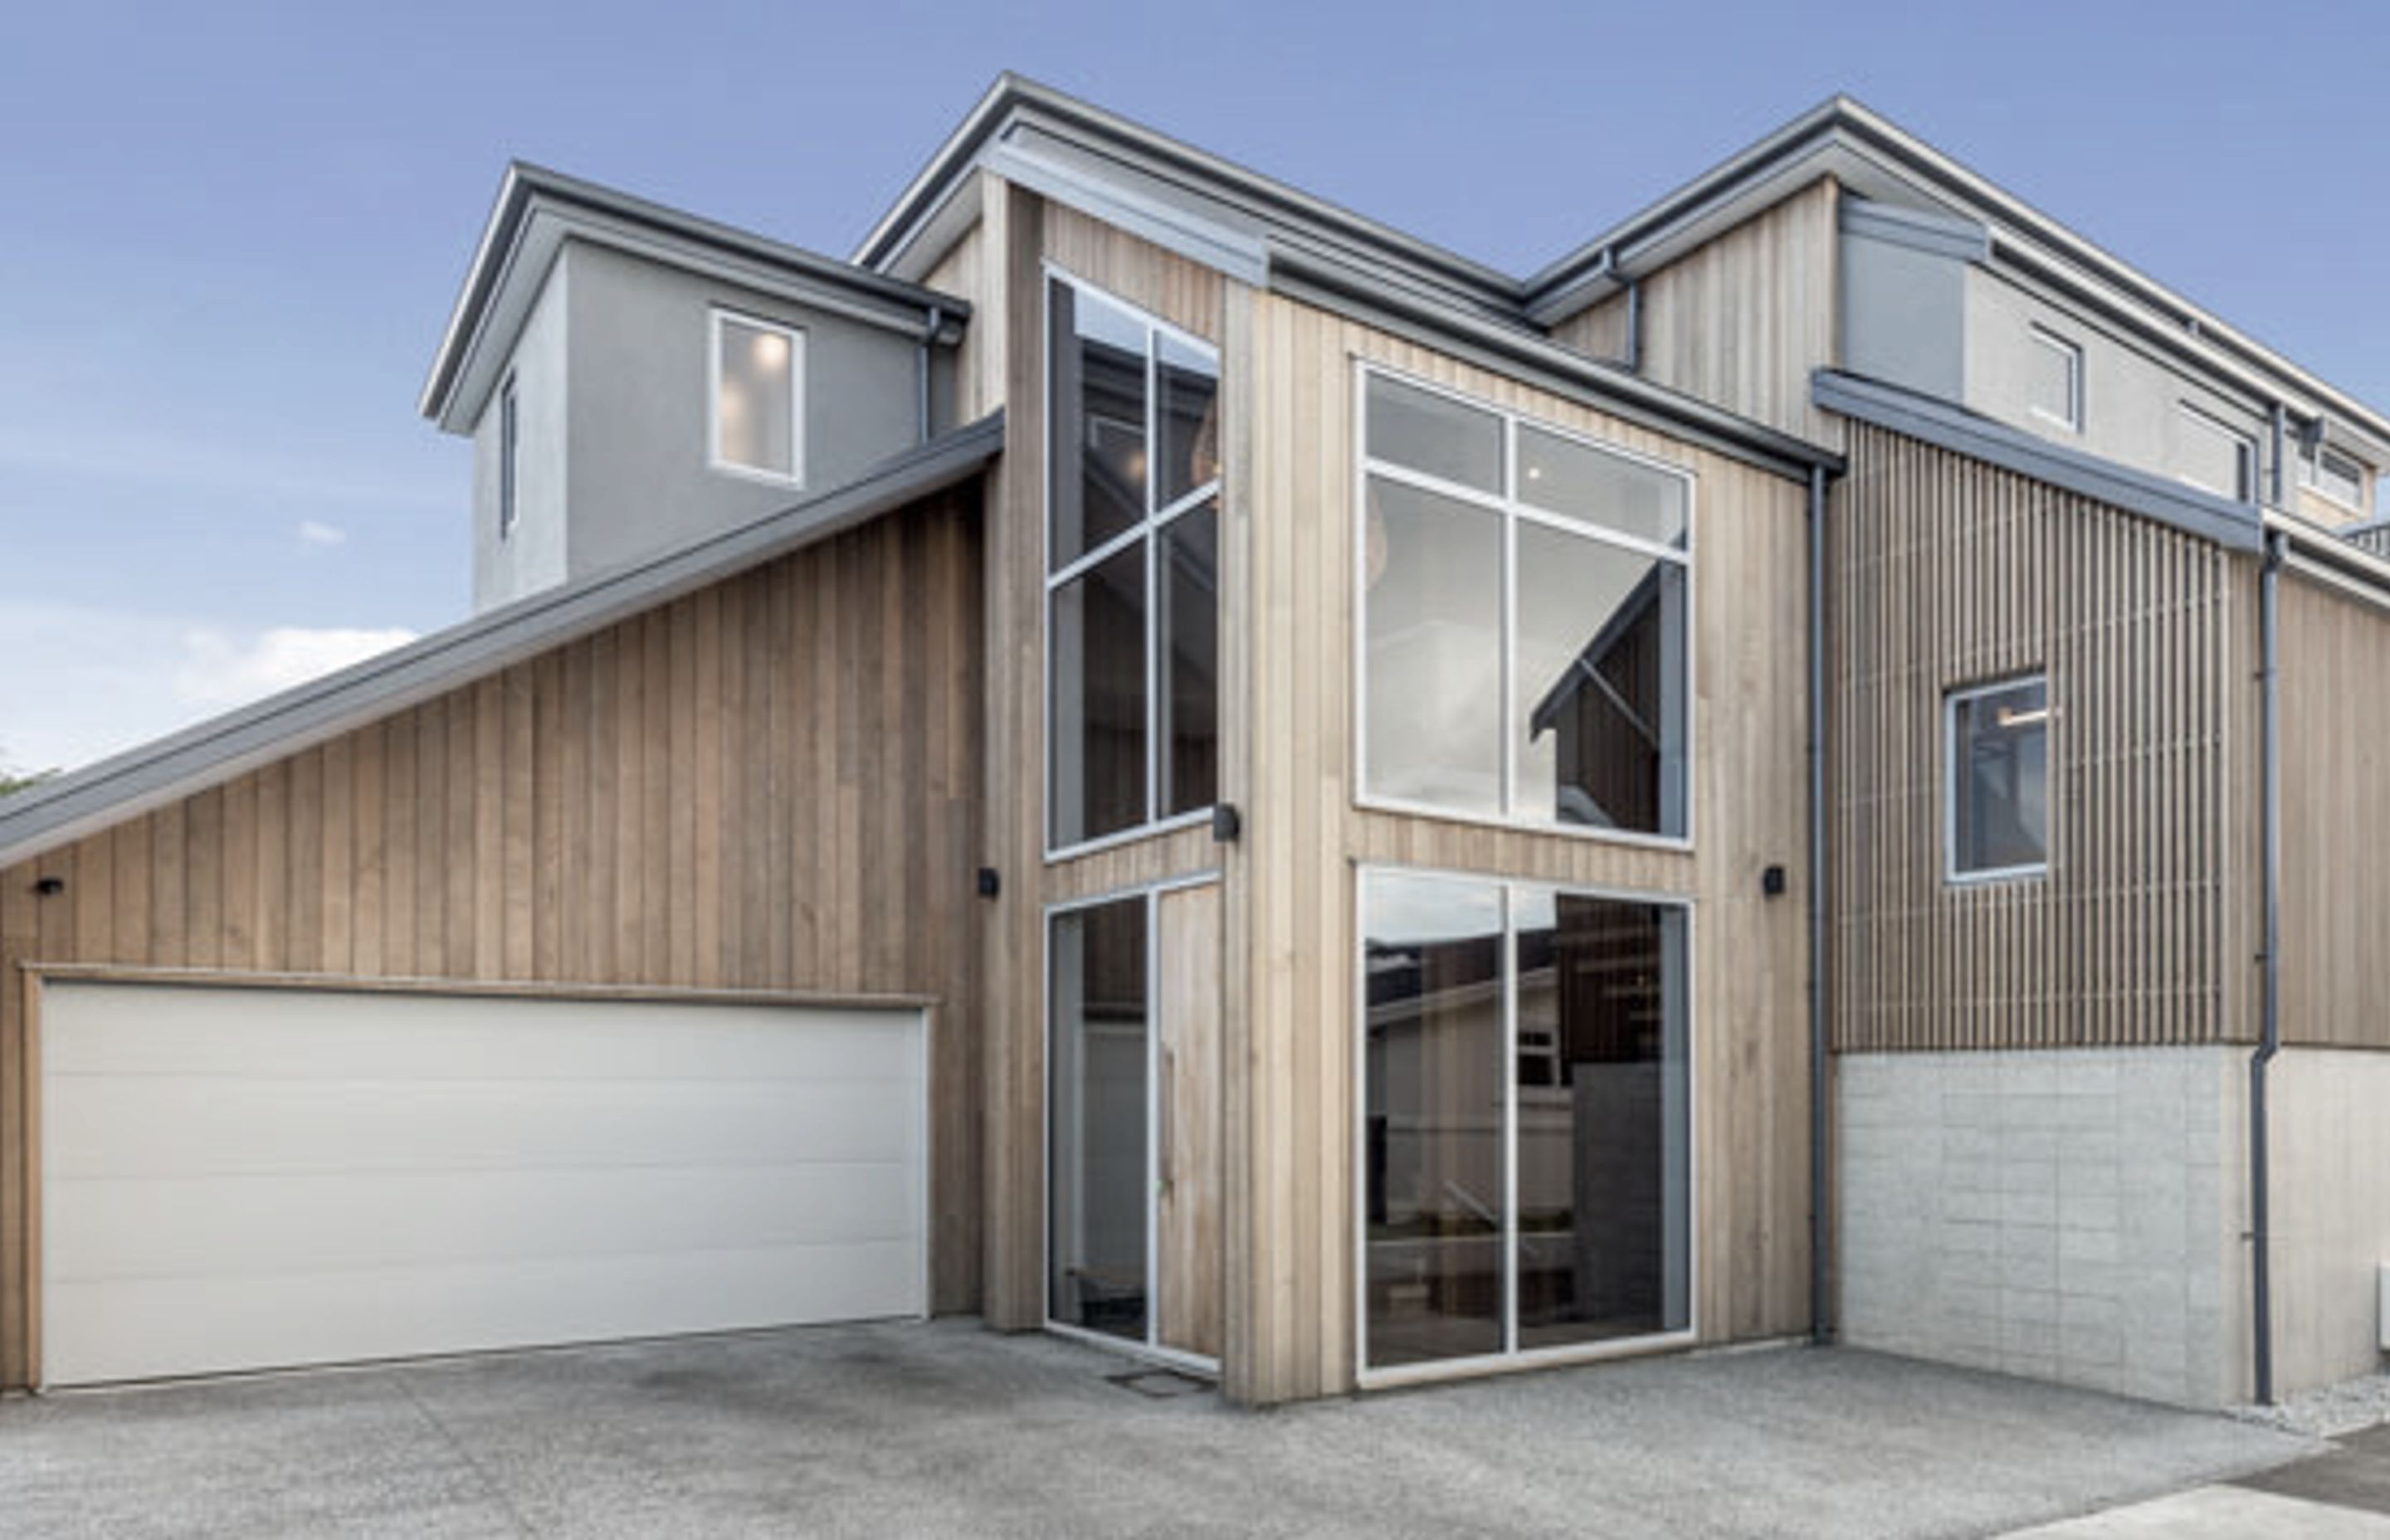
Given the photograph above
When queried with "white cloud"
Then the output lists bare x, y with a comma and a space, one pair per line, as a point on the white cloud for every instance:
313, 534
79, 684
222, 669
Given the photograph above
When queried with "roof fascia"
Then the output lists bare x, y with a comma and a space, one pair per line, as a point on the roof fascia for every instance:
2236, 526
1363, 295
1847, 139
537, 208
63, 809
1015, 104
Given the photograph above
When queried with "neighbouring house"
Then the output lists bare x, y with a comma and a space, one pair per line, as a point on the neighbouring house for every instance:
1151, 757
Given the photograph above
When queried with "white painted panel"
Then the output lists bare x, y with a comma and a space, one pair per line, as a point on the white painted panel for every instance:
238, 1178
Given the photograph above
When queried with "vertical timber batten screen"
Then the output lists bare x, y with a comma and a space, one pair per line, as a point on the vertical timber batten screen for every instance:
1946, 573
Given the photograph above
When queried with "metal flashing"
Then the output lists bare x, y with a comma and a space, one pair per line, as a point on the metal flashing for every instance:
1202, 241
2236, 526
1964, 239
1527, 355
63, 809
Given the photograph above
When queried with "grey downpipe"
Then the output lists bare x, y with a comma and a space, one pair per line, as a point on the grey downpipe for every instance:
1634, 326
2269, 1030
929, 330
2281, 485
1820, 1178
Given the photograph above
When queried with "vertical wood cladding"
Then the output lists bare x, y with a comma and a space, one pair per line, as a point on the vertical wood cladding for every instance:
2335, 765
1945, 572
1741, 320
769, 784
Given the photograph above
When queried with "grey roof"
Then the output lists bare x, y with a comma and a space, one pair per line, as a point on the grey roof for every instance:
1840, 137
65, 809
2238, 526
527, 189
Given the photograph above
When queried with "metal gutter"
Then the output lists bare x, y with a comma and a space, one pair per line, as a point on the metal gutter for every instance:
2234, 525
2269, 1038
1530, 357
63, 809
1821, 1192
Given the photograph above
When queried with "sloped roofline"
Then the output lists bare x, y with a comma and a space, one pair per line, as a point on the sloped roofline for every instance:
1838, 137
527, 189
61, 811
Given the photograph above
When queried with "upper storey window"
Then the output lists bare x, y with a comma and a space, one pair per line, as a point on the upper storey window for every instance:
2216, 458
758, 404
1998, 802
510, 458
1132, 568
2335, 476
1524, 600
2054, 382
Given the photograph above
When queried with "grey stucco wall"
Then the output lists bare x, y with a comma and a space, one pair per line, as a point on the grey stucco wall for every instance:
641, 473
532, 555
1903, 314
2073, 1216
2131, 400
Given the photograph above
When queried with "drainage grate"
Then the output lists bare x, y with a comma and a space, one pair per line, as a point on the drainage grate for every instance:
1159, 1384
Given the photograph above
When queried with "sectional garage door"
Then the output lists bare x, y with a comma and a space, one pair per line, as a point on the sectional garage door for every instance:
238, 1178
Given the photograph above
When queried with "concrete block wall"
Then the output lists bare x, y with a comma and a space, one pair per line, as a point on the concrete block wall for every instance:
2072, 1215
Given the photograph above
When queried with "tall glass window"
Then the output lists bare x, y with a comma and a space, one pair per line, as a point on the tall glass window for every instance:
1999, 780
1132, 568
1527, 1138
1096, 1110
1524, 620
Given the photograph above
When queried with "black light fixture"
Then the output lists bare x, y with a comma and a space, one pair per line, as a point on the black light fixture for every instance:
49, 887
989, 885
1226, 824
1771, 882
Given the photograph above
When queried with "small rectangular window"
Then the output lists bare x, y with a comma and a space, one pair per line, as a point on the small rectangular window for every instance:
2055, 378
1999, 787
2335, 476
758, 405
509, 457
2216, 458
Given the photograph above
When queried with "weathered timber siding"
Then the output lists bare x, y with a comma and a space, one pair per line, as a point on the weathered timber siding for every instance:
769, 785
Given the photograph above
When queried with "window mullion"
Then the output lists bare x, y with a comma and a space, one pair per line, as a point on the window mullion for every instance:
1509, 1080
1153, 723
1505, 765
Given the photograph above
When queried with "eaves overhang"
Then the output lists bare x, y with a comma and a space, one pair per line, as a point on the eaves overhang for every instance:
58, 812
1876, 159
1055, 129
2236, 526
538, 210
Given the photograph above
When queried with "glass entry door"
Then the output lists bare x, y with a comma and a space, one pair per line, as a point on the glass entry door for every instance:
1133, 1110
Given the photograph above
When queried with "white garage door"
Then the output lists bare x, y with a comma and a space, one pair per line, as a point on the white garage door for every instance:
246, 1178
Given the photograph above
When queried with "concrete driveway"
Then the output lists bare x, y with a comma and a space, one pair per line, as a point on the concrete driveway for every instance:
948, 1429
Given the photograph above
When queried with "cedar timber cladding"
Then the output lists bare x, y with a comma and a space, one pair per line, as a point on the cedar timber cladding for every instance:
2335, 800
1742, 320
769, 784
1949, 572
1291, 1119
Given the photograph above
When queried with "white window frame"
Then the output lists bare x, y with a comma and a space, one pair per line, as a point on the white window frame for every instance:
2245, 446
1149, 531
718, 317
1151, 1349
1513, 510
1513, 1357
1951, 700
510, 459
2311, 476
2072, 352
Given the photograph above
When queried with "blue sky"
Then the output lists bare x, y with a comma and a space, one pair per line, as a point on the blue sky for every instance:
229, 235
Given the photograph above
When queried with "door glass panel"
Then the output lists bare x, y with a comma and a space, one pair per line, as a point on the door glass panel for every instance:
1098, 1153
1603, 1120
1433, 1105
